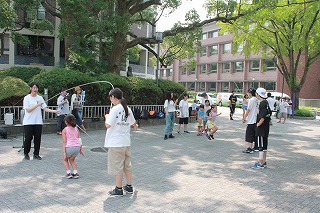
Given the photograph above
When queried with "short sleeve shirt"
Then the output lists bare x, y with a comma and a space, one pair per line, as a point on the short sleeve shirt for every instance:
263, 130
34, 117
233, 99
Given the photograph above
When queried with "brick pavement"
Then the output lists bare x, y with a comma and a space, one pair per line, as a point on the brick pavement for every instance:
185, 174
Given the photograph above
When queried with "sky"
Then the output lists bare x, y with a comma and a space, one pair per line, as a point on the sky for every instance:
165, 23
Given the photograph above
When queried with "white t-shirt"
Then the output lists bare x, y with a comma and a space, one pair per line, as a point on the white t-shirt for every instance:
184, 109
283, 107
170, 105
253, 106
271, 102
204, 100
63, 107
34, 117
118, 135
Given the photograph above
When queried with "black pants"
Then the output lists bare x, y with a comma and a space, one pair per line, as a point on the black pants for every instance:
32, 132
61, 125
232, 109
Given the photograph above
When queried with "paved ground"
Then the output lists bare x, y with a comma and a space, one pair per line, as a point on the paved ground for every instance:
185, 174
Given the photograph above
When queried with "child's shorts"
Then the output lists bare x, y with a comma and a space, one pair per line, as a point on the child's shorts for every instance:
210, 124
119, 160
72, 151
282, 115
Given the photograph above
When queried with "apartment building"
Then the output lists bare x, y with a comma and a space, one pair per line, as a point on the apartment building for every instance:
221, 69
47, 50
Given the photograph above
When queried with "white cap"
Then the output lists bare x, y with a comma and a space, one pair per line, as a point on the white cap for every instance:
261, 92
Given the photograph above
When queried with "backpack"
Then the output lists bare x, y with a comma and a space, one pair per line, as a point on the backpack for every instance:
269, 112
160, 114
152, 114
144, 114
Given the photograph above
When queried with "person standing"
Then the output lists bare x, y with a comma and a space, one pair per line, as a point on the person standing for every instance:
271, 103
32, 121
118, 123
184, 113
77, 107
233, 101
244, 105
71, 146
250, 117
283, 109
63, 107
263, 127
170, 108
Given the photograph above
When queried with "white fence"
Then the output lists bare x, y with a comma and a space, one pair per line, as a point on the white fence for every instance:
88, 111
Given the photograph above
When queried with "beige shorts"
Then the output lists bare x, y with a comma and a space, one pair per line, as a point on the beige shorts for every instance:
119, 160
210, 124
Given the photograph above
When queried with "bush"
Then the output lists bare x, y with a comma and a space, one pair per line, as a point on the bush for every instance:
24, 73
12, 91
303, 113
166, 86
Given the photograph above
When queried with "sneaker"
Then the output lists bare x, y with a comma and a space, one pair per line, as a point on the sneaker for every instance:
186, 132
171, 136
26, 157
248, 150
199, 134
257, 165
75, 176
68, 176
116, 192
212, 137
179, 132
165, 137
37, 157
264, 164
128, 189
208, 136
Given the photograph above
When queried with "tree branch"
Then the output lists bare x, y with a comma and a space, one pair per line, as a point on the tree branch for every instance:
140, 7
51, 9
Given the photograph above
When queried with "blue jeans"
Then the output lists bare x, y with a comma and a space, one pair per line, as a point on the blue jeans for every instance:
169, 123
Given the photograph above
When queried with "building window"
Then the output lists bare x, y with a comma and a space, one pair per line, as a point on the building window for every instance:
191, 85
213, 68
226, 67
270, 86
240, 48
254, 66
225, 87
203, 69
204, 36
170, 72
192, 71
270, 65
213, 50
212, 86
183, 71
213, 34
227, 48
238, 66
238, 87
203, 51
202, 86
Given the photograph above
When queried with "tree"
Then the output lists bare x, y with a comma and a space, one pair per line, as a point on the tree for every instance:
287, 30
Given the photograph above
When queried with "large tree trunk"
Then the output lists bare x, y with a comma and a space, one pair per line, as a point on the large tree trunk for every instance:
1, 44
116, 54
295, 100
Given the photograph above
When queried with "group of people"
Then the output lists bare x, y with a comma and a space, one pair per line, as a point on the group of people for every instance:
118, 122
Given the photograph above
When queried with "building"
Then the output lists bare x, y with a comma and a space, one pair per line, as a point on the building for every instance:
47, 50
220, 69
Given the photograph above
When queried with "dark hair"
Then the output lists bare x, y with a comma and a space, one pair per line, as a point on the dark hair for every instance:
269, 94
33, 84
184, 95
169, 96
252, 91
208, 111
201, 106
118, 94
71, 120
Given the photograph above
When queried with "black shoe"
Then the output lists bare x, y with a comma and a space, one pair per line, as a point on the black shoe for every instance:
186, 132
128, 189
212, 137
165, 137
171, 136
248, 151
208, 136
37, 157
116, 192
231, 118
26, 157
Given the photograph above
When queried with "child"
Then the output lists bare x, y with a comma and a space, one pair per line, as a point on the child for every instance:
194, 108
71, 143
283, 105
200, 119
212, 127
205, 116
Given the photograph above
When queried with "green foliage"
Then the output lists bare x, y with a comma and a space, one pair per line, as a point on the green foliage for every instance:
134, 53
24, 73
7, 15
12, 90
170, 86
304, 113
18, 38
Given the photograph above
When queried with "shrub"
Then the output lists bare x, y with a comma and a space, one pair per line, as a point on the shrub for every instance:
303, 113
166, 86
12, 91
24, 73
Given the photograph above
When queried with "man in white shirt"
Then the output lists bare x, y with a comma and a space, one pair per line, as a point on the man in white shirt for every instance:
184, 113
251, 118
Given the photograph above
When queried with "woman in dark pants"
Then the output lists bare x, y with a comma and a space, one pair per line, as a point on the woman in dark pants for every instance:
32, 121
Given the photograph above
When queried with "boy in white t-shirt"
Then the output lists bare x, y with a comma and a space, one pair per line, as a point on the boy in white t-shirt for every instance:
184, 113
283, 105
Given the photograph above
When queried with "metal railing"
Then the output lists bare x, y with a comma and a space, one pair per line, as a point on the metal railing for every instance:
88, 111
